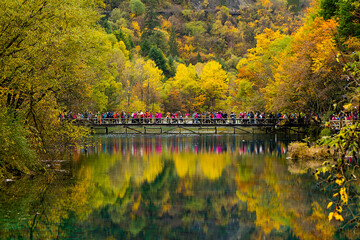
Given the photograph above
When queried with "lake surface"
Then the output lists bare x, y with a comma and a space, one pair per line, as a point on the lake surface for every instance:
169, 187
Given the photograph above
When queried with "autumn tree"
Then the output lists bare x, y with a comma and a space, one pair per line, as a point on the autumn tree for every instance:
307, 77
142, 86
187, 81
214, 83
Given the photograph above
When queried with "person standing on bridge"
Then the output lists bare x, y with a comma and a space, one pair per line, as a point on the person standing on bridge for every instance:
159, 117
151, 117
98, 116
168, 117
233, 117
146, 116
186, 117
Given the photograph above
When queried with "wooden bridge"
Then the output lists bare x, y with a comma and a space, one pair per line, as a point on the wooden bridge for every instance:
197, 126
336, 125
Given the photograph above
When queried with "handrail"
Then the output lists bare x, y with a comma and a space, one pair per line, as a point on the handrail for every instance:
338, 124
189, 121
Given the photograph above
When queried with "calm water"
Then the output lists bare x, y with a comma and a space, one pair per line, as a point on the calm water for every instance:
169, 187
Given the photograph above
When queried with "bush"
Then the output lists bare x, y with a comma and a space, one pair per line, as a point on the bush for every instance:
325, 132
301, 152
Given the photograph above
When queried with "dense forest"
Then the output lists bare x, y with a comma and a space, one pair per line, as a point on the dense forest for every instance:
114, 55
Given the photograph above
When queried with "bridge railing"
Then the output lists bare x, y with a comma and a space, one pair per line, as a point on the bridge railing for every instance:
188, 121
338, 124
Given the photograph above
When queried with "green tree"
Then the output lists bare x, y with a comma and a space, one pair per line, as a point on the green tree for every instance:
173, 45
329, 8
151, 20
137, 7
122, 36
158, 56
145, 47
349, 25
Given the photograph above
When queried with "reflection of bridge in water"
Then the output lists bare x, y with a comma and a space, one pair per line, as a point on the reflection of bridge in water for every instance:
196, 126
192, 144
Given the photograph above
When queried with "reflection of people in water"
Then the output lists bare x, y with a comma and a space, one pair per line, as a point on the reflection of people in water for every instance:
195, 144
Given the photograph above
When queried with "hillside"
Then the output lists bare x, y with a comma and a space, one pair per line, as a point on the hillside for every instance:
204, 30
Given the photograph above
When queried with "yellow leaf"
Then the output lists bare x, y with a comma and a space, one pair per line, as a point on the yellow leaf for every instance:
339, 209
331, 216
335, 194
338, 217
344, 196
340, 182
347, 106
329, 205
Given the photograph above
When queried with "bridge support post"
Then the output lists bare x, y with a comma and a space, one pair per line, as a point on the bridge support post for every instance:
107, 130
215, 130
145, 130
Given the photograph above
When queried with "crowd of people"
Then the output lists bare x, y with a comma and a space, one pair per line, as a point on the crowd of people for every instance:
195, 117
345, 116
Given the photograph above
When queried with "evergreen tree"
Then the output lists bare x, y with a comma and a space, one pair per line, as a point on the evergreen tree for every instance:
348, 23
151, 20
171, 66
198, 58
157, 55
173, 45
145, 47
329, 8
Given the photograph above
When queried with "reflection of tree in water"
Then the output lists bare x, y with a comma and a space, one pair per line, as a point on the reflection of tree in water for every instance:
141, 192
281, 203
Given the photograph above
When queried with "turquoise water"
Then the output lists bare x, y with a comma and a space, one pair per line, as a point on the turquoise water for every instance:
169, 187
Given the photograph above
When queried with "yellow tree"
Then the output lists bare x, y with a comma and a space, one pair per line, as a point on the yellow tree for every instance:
142, 86
152, 85
257, 69
214, 83
187, 81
